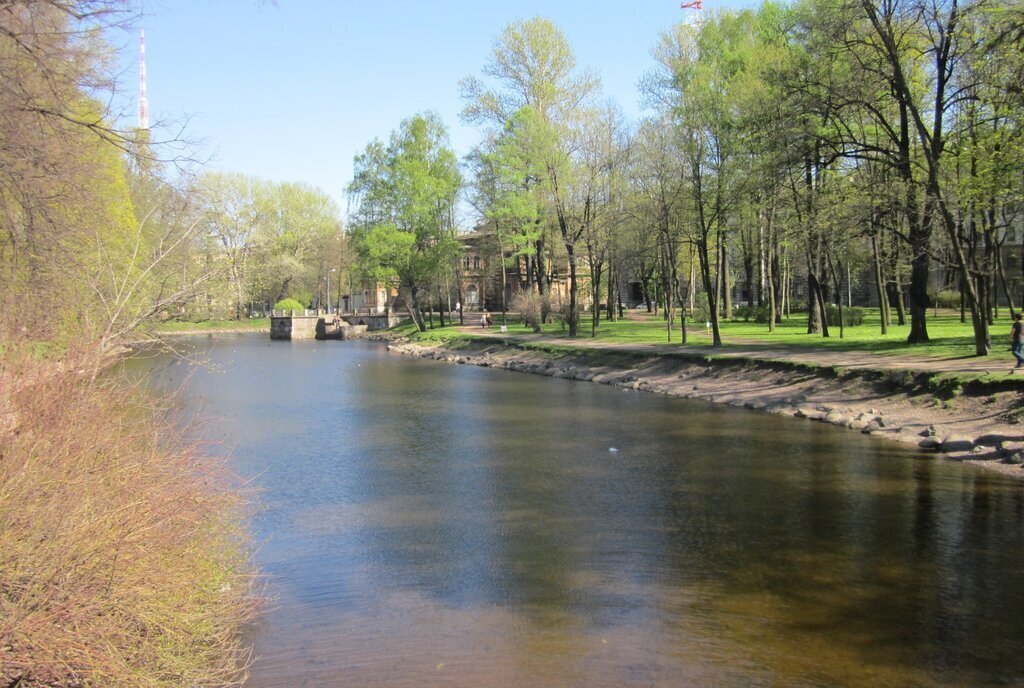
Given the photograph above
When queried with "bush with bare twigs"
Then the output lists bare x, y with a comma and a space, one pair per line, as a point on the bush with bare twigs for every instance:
122, 562
530, 307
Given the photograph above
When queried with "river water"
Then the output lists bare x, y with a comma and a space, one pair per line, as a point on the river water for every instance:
426, 524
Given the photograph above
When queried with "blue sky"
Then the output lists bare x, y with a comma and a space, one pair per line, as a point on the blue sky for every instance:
292, 90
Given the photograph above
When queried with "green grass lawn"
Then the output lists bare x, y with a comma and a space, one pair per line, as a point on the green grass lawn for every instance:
949, 338
214, 325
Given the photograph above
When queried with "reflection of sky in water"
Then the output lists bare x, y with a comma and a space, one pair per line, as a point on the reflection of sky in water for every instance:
431, 524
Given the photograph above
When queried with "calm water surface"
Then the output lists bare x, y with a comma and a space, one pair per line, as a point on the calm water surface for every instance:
424, 524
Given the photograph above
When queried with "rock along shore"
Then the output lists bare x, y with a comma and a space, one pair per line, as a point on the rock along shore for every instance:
983, 426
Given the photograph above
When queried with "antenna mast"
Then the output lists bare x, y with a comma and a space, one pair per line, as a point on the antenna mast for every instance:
143, 99
697, 6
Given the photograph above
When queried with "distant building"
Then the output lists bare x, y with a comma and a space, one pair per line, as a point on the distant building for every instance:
374, 298
480, 272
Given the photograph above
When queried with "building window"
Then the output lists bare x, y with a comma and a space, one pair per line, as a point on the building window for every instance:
476, 262
465, 262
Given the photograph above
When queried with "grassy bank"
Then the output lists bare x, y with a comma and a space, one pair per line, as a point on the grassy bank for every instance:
897, 361
189, 327
122, 562
948, 336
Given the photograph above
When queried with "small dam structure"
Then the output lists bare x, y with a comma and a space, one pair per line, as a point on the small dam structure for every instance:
313, 324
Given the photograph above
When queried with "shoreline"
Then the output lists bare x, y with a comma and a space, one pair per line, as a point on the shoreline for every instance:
226, 330
978, 426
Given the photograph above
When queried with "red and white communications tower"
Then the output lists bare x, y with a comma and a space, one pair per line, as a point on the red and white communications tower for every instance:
143, 99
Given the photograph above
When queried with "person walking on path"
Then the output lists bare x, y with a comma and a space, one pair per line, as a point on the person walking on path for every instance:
1017, 339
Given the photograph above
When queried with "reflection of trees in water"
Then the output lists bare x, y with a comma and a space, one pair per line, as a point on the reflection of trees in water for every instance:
489, 500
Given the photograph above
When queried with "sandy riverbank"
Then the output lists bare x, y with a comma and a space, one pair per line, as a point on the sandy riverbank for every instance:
983, 426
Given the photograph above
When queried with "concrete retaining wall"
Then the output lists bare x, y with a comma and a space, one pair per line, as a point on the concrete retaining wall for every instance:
373, 322
316, 326
294, 327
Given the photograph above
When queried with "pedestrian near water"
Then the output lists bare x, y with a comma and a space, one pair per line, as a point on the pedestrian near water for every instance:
1017, 339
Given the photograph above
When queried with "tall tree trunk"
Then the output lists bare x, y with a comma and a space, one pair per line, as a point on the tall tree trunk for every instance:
748, 275
814, 321
705, 272
677, 296
595, 296
816, 303
668, 314
645, 286
718, 268
897, 292
1003, 283
883, 299
543, 287
693, 284
839, 296
726, 276
768, 263
414, 307
574, 316
613, 282
777, 281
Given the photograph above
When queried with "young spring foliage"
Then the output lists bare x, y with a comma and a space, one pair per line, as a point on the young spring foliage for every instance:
404, 194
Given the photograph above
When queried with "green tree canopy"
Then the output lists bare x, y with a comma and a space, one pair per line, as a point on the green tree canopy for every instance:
404, 194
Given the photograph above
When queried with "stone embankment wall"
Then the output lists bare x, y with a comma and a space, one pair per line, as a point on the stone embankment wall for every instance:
979, 429
294, 327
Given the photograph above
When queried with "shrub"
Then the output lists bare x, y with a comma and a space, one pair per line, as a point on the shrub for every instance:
852, 316
545, 308
289, 304
758, 314
530, 307
948, 298
121, 560
560, 311
701, 313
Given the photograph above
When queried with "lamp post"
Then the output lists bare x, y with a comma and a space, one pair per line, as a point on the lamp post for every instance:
329, 290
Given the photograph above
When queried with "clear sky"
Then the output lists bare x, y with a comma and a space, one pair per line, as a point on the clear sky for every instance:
292, 90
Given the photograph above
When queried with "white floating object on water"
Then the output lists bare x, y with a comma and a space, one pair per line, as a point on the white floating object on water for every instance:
612, 449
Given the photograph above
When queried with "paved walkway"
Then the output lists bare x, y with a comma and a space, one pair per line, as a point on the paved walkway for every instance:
998, 363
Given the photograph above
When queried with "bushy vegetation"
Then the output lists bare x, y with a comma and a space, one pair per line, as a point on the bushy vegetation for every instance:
289, 304
121, 559
852, 316
530, 307
948, 298
701, 311
758, 314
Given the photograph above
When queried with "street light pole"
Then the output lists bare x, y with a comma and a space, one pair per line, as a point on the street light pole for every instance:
329, 289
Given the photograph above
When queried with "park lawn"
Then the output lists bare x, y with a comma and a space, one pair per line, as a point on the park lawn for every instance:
452, 330
214, 325
949, 338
